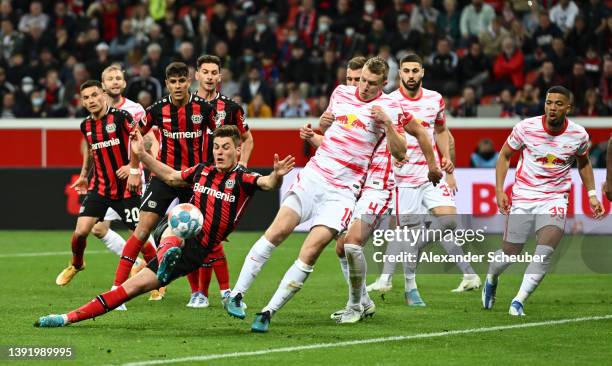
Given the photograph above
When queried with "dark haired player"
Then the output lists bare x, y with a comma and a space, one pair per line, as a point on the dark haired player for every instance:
106, 131
549, 146
182, 120
221, 191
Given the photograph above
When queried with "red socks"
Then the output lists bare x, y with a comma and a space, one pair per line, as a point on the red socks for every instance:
222, 273
193, 281
128, 257
101, 304
205, 275
148, 251
167, 243
78, 249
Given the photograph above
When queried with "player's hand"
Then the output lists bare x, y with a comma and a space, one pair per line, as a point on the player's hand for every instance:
503, 203
434, 176
447, 165
123, 172
136, 142
380, 116
326, 120
596, 207
400, 163
306, 132
451, 182
134, 183
607, 190
80, 185
282, 167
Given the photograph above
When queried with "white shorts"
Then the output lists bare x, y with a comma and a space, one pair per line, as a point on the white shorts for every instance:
316, 200
410, 203
373, 204
525, 217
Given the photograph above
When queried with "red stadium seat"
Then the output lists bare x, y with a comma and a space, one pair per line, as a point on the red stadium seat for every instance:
487, 99
455, 102
531, 77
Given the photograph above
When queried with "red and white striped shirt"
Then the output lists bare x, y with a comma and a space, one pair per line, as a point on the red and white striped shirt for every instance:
543, 172
428, 110
134, 109
344, 157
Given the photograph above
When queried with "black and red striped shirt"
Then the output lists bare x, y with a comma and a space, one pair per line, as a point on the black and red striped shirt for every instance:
222, 198
108, 139
182, 130
227, 112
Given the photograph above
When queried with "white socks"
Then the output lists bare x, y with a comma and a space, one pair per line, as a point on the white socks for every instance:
356, 270
113, 241
497, 267
257, 257
291, 283
535, 272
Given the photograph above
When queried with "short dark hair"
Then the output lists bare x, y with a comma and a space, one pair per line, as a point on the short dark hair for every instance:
89, 84
228, 131
177, 69
209, 59
558, 89
411, 57
356, 63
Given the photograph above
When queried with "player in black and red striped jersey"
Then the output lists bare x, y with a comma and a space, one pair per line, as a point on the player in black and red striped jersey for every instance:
221, 191
228, 112
106, 132
182, 119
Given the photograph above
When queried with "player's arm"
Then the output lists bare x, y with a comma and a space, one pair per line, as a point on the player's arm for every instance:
275, 179
395, 141
501, 170
80, 185
450, 177
607, 188
162, 171
325, 121
308, 134
150, 143
442, 136
588, 180
247, 147
419, 132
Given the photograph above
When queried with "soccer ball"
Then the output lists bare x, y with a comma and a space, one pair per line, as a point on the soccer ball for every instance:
185, 220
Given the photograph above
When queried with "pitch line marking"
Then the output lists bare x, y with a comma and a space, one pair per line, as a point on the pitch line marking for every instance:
43, 254
368, 341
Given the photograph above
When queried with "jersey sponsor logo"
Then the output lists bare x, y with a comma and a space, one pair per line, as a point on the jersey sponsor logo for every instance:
550, 160
111, 127
182, 135
230, 183
166, 120
351, 121
196, 119
214, 193
219, 118
107, 143
88, 133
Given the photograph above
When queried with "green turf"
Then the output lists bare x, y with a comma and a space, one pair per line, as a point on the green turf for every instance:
167, 329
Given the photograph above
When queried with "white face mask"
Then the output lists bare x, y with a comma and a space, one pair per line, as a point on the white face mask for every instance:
27, 88
292, 38
323, 27
37, 102
261, 27
349, 32
369, 8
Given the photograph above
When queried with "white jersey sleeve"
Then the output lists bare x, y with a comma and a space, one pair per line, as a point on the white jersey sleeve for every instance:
134, 109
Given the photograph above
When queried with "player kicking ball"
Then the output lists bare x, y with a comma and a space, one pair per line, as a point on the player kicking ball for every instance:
221, 203
549, 146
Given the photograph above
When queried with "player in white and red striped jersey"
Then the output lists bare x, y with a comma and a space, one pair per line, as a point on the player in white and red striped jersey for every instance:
326, 189
549, 146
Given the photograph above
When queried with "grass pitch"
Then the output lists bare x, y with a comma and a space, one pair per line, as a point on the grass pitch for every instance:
167, 330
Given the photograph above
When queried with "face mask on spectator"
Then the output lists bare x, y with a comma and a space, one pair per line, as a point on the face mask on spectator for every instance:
261, 27
292, 38
349, 32
37, 102
27, 88
323, 27
248, 58
369, 8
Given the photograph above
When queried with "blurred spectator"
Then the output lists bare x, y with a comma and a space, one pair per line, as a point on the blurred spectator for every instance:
544, 34
186, 53
293, 106
596, 13
485, 155
238, 99
124, 43
577, 83
254, 85
231, 37
269, 71
562, 57
220, 16
564, 14
325, 73
579, 37
107, 17
598, 153
520, 35
18, 69
508, 107
144, 82
35, 18
153, 58
177, 37
36, 40
145, 99
593, 107
263, 40
343, 16
405, 39
320, 105
508, 66
442, 69
102, 61
62, 19
192, 21
305, 19
64, 44
393, 73
36, 107
593, 64
475, 19
474, 69
9, 108
229, 86
507, 15
72, 94
7, 13
142, 23
449, 20
468, 106
376, 37
605, 86
294, 72
5, 86
605, 37
352, 44
258, 108
422, 14
531, 19
11, 40
491, 38
54, 94
368, 16
324, 39
528, 101
547, 79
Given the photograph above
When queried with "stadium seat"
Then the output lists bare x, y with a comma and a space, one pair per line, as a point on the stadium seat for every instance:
487, 99
531, 77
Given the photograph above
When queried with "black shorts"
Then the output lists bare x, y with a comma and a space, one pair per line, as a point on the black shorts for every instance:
95, 205
191, 259
159, 196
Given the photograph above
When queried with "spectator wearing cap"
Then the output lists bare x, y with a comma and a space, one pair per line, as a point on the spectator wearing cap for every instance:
423, 13
442, 69
449, 21
491, 38
144, 81
577, 83
35, 18
11, 41
102, 60
405, 38
485, 155
474, 68
508, 67
475, 19
564, 14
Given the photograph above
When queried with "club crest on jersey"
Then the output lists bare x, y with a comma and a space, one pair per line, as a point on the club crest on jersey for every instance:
219, 118
230, 183
550, 160
351, 121
196, 119
111, 127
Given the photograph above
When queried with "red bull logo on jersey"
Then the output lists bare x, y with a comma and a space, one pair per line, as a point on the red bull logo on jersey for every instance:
351, 121
550, 160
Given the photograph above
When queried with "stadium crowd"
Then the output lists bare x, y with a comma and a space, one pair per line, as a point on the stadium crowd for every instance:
284, 58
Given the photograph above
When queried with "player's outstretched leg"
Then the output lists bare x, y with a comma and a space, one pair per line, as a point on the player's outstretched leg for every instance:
285, 221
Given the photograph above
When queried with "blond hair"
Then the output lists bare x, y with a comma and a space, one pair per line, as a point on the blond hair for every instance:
378, 66
113, 67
